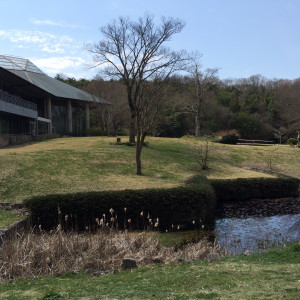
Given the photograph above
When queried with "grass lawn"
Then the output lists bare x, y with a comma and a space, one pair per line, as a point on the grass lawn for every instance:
273, 275
84, 164
7, 218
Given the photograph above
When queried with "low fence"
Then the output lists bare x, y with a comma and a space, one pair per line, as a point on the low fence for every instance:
255, 142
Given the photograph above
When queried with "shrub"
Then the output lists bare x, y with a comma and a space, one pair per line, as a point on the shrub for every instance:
95, 131
178, 206
230, 139
122, 132
227, 132
242, 189
292, 141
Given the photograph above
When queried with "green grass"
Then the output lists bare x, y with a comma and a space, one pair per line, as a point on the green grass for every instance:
272, 275
7, 218
91, 164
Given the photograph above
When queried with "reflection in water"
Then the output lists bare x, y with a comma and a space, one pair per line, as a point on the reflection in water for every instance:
258, 224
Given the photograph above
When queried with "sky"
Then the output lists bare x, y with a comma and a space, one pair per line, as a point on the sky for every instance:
240, 37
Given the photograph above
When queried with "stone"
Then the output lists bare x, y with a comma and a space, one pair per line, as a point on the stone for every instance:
129, 263
247, 252
213, 257
157, 261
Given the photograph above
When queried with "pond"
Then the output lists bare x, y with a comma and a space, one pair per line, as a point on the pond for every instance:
257, 224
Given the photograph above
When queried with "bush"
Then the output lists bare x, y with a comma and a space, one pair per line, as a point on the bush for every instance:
122, 132
229, 139
242, 189
95, 131
292, 141
178, 206
227, 132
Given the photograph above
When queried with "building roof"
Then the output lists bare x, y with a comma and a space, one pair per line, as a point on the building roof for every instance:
26, 70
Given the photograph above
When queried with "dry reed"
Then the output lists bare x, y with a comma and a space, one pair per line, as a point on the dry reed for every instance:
43, 253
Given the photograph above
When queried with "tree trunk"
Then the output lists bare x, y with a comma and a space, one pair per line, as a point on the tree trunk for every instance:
138, 156
197, 126
139, 147
132, 128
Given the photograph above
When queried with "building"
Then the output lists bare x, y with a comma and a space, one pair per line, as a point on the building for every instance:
32, 103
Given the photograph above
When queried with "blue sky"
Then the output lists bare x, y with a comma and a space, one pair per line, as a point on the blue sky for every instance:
241, 37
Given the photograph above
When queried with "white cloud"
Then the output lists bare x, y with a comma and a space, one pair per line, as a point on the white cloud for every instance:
52, 23
43, 41
62, 64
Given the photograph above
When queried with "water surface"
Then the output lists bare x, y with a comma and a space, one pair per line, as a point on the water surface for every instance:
257, 224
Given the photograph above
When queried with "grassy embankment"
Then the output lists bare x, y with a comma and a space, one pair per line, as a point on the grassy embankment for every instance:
85, 164
91, 164
273, 275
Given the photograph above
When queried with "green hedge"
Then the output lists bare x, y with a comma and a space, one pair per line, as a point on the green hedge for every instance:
178, 206
255, 188
229, 139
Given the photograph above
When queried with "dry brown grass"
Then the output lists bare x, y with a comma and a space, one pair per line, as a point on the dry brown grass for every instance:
57, 252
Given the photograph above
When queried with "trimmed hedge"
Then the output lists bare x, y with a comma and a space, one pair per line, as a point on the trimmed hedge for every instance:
229, 139
178, 206
241, 189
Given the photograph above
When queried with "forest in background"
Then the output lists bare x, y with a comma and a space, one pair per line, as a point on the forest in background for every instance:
254, 107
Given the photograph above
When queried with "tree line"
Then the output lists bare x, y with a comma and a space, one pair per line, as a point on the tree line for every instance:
253, 107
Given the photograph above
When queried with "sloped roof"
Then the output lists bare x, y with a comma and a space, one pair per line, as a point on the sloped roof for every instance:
26, 70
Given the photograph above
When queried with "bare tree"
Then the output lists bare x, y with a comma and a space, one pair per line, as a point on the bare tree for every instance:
203, 81
114, 117
135, 52
200, 152
281, 134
